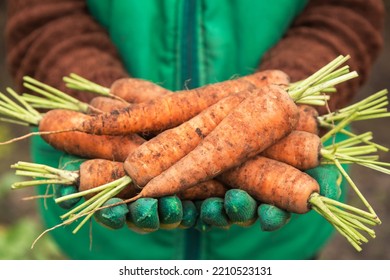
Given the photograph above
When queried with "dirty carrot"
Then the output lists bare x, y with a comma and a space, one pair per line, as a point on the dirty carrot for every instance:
260, 120
173, 109
82, 144
132, 90
305, 150
288, 188
91, 174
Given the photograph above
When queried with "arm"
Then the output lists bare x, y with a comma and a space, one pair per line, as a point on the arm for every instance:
324, 30
47, 39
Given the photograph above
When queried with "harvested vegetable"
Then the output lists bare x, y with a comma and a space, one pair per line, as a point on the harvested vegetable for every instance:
286, 187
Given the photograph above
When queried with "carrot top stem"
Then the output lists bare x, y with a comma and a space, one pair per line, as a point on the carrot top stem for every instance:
348, 220
308, 91
52, 98
47, 175
371, 107
18, 111
300, 90
91, 205
74, 81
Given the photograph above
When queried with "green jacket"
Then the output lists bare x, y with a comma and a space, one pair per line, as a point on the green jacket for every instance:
188, 44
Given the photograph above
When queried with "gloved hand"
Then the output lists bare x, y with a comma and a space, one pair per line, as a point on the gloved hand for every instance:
71, 163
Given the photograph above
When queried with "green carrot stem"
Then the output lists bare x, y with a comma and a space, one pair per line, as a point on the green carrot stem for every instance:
14, 121
327, 84
84, 205
356, 225
334, 74
77, 82
36, 174
53, 93
355, 151
24, 184
351, 134
82, 83
93, 190
98, 204
356, 189
357, 139
26, 118
39, 102
365, 217
364, 101
25, 106
319, 206
299, 88
373, 116
336, 128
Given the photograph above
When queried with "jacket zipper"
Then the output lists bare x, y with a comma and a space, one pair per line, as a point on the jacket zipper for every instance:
190, 79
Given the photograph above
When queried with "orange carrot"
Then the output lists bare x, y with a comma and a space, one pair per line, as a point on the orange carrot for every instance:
96, 172
106, 104
135, 90
308, 119
300, 149
201, 191
260, 120
85, 145
170, 110
273, 182
162, 151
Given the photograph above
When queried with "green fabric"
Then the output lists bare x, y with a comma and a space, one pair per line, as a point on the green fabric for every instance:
170, 42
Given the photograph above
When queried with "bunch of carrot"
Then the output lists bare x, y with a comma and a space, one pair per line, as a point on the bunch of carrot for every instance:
251, 133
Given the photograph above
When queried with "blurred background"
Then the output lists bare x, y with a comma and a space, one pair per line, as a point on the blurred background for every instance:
20, 224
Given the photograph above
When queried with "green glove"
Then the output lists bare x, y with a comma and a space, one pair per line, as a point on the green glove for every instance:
240, 207
112, 217
143, 215
329, 178
71, 163
190, 214
170, 211
212, 212
272, 218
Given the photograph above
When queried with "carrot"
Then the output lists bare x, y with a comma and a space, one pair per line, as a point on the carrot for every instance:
106, 104
63, 120
135, 90
175, 177
132, 90
259, 121
300, 149
201, 191
160, 152
286, 187
90, 175
97, 172
161, 113
308, 119
282, 186
173, 109
82, 144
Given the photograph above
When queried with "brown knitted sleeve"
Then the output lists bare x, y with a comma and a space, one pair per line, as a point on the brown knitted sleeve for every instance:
48, 39
324, 30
